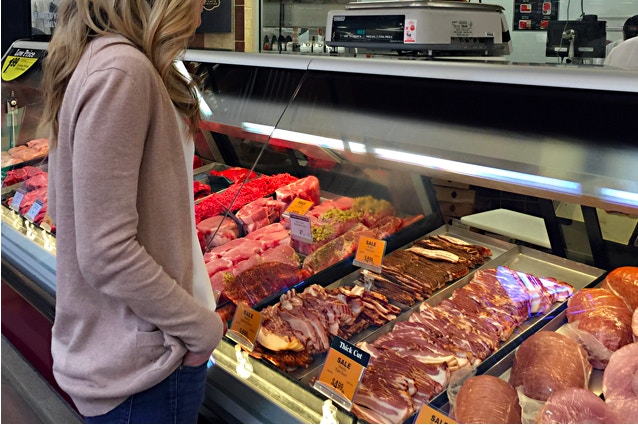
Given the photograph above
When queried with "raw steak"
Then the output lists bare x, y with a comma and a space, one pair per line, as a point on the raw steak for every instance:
306, 188
547, 362
260, 213
576, 406
20, 174
486, 399
620, 383
373, 210
600, 313
270, 236
218, 230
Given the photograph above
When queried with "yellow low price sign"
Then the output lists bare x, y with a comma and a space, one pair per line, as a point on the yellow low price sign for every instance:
19, 61
299, 206
429, 415
245, 326
342, 371
370, 253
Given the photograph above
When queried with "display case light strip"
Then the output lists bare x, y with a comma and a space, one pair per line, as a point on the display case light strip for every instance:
619, 197
308, 139
497, 174
257, 128
357, 147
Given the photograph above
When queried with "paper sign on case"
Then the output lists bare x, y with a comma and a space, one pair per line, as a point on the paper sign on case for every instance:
245, 326
370, 253
342, 372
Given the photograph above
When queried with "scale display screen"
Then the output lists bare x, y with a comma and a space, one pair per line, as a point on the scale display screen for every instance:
368, 28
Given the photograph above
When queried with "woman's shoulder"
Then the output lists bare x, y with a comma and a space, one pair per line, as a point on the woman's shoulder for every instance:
117, 52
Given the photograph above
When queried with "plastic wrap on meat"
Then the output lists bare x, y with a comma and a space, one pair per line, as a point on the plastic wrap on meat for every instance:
547, 362
620, 383
600, 321
485, 399
623, 281
576, 406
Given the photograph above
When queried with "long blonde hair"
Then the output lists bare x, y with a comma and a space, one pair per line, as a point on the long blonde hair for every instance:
159, 28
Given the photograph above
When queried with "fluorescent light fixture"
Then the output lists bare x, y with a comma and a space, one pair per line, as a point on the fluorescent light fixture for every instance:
357, 147
619, 197
257, 128
308, 139
497, 174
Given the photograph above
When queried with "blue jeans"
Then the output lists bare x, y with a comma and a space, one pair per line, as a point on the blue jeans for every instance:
177, 399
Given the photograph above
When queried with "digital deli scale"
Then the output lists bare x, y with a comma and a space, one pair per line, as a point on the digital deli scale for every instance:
452, 28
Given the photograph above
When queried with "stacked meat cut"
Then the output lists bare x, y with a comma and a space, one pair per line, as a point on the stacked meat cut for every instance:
413, 274
301, 325
462, 330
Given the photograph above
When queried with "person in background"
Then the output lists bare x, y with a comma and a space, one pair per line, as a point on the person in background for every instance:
134, 323
627, 56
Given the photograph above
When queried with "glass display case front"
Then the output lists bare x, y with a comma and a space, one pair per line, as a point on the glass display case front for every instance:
301, 157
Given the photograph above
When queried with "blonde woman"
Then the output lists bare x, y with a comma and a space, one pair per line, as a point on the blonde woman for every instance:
135, 322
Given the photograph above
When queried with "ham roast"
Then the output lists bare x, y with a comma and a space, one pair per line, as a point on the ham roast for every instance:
599, 313
623, 281
486, 399
547, 362
620, 383
576, 406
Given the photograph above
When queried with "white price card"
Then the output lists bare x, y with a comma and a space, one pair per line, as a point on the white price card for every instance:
17, 200
34, 210
300, 228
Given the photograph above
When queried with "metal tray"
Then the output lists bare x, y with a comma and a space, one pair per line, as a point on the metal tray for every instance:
498, 247
520, 258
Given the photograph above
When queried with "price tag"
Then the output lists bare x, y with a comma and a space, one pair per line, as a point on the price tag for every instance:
342, 372
19, 61
17, 200
370, 253
300, 228
34, 210
299, 206
245, 326
429, 415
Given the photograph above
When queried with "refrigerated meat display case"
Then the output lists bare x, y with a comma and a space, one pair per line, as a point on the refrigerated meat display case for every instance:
382, 128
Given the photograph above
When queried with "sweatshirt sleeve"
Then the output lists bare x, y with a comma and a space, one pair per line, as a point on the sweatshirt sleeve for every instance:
113, 114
